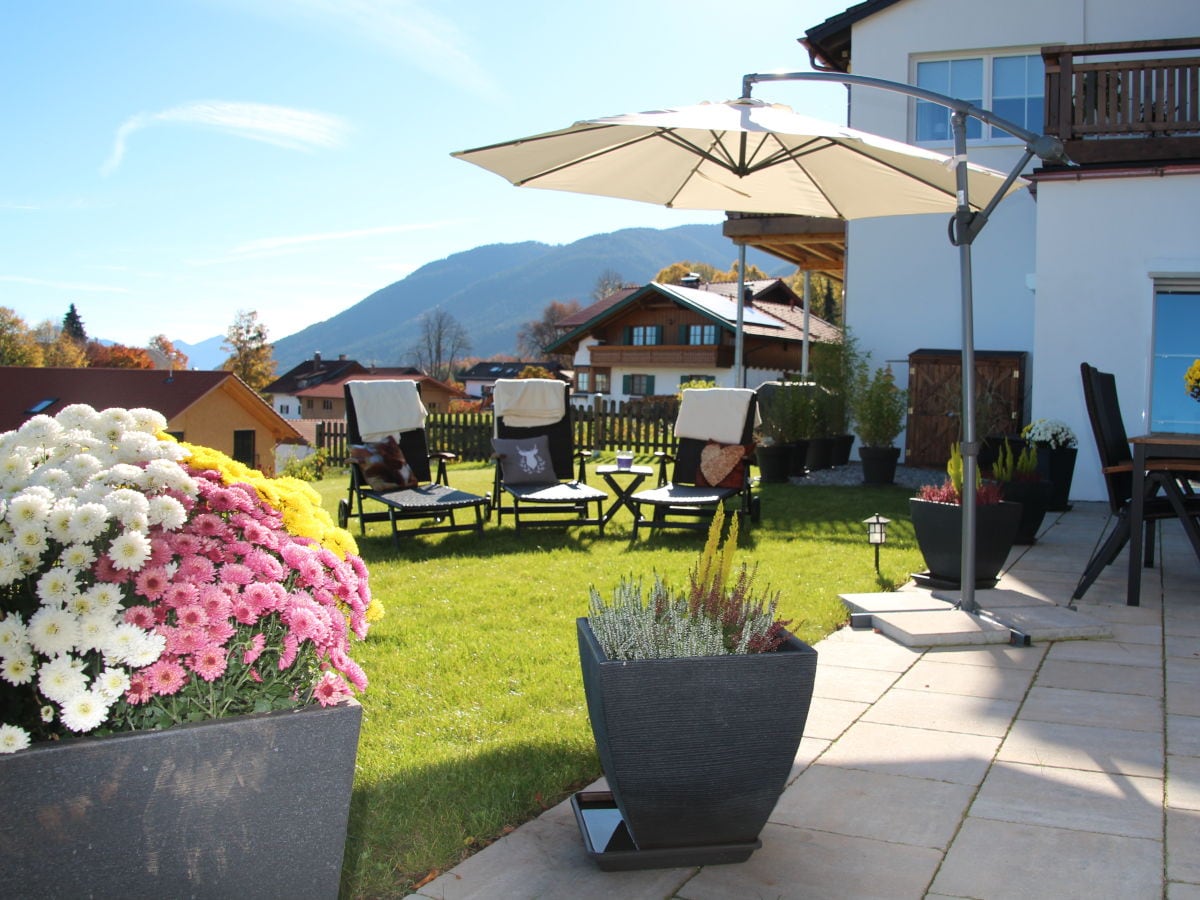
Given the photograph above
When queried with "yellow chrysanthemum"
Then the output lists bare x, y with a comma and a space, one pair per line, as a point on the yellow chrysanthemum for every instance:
375, 611
1192, 380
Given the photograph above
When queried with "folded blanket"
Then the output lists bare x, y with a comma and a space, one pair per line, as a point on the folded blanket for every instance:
529, 402
386, 406
713, 414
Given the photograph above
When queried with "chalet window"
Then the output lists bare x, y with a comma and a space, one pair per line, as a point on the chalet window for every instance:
638, 385
700, 335
601, 381
243, 446
326, 404
308, 402
1011, 86
1176, 347
284, 409
687, 379
583, 381
643, 335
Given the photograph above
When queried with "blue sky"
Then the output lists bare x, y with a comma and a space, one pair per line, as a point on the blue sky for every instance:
167, 164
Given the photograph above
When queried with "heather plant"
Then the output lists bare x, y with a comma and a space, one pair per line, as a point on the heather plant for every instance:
145, 582
1011, 466
950, 491
713, 617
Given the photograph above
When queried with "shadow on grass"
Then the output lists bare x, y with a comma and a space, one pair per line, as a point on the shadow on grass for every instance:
451, 809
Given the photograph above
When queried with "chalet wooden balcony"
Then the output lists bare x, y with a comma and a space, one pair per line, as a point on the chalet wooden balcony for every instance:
1135, 103
662, 355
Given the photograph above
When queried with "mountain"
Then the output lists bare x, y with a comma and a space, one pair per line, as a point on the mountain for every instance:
495, 289
205, 355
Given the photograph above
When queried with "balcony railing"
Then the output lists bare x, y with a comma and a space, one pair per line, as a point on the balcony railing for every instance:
662, 355
1140, 108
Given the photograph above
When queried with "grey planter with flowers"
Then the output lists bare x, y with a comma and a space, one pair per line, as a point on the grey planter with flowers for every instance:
1057, 449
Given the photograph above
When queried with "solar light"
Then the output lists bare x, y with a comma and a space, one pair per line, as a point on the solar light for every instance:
876, 534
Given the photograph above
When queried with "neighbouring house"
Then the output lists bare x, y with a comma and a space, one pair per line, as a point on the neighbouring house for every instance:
1096, 262
213, 409
285, 389
480, 378
648, 340
327, 400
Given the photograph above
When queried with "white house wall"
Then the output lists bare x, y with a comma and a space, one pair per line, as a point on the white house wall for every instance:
1100, 244
902, 275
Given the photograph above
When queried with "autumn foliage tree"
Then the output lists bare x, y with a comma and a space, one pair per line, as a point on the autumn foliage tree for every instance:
533, 337
59, 349
174, 357
18, 346
117, 356
252, 358
675, 272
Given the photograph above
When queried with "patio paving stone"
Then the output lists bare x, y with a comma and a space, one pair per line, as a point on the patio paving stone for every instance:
945, 675
943, 712
1084, 747
1183, 845
1108, 710
1108, 652
1183, 788
916, 752
1084, 676
829, 718
1183, 735
848, 683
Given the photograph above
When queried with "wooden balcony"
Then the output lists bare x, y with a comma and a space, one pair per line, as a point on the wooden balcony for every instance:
662, 355
1135, 103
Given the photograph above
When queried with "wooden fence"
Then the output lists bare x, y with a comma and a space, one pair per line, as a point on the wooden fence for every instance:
642, 426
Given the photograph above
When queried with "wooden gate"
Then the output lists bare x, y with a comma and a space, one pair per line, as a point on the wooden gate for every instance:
935, 400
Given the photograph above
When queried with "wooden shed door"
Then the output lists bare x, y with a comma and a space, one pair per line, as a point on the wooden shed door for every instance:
935, 401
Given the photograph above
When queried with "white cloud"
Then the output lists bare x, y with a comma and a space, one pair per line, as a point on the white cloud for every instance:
82, 287
295, 129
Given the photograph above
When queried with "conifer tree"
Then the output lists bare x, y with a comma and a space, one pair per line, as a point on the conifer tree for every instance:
72, 326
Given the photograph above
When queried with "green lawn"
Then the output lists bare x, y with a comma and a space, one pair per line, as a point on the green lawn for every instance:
474, 720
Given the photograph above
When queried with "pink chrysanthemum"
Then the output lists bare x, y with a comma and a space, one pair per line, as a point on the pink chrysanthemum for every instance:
331, 689
182, 641
191, 616
141, 616
195, 569
236, 573
209, 525
305, 621
209, 662
264, 597
254, 651
180, 594
220, 631
152, 582
264, 566
291, 647
185, 543
139, 689
245, 612
165, 677
104, 570
215, 600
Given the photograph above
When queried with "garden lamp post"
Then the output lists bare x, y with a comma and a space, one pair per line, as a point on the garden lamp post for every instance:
877, 534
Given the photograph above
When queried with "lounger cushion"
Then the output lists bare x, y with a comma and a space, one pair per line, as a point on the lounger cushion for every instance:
525, 460
383, 465
721, 465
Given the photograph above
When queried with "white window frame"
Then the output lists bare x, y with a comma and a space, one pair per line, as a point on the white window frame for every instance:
990, 135
1170, 285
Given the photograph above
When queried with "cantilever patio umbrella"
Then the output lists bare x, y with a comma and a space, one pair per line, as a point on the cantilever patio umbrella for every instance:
747, 155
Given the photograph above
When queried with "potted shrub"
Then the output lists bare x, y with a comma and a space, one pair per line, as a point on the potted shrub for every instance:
879, 413
1056, 451
937, 522
782, 408
836, 367
697, 700
176, 711
1019, 480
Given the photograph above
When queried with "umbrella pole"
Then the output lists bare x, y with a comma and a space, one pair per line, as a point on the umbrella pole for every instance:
807, 310
739, 371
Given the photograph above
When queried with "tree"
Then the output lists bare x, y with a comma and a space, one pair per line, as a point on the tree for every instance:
251, 354
533, 337
72, 326
117, 356
18, 346
535, 372
607, 282
676, 272
442, 340
825, 294
59, 349
175, 358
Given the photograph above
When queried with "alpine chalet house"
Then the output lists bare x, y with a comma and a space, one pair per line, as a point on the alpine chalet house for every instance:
646, 341
1097, 262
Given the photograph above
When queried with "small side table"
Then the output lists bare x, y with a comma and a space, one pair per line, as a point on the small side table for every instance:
623, 488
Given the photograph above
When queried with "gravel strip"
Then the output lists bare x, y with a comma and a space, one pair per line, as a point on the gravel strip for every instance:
851, 475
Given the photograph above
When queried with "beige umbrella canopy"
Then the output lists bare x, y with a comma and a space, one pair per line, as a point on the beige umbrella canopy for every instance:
742, 155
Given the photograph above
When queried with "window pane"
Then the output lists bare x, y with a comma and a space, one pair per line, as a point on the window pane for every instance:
933, 122
966, 79
1176, 346
1008, 76
934, 76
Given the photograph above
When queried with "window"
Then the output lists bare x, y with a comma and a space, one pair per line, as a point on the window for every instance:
583, 381
1010, 86
638, 385
308, 402
326, 404
644, 335
243, 446
1176, 346
600, 381
284, 409
700, 335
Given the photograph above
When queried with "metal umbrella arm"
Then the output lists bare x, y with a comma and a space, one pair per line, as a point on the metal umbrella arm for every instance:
964, 227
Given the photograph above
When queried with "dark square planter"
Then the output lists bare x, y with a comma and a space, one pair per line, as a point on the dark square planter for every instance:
879, 464
938, 528
252, 806
696, 751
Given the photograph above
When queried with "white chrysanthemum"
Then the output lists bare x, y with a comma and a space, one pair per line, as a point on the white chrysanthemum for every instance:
12, 634
47, 713
134, 647
93, 492
61, 677
150, 421
39, 430
112, 424
10, 564
57, 586
95, 631
52, 631
136, 447
130, 551
30, 507
112, 683
81, 467
125, 474
15, 468
85, 711
166, 473
78, 415
13, 738
78, 556
58, 523
167, 512
81, 605
88, 522
104, 596
18, 668
54, 479
30, 541
126, 504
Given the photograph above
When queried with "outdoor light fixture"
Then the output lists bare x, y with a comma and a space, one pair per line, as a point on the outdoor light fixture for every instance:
876, 534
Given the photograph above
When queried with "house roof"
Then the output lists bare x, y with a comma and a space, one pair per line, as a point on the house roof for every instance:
335, 388
829, 43
312, 371
776, 320
490, 370
28, 391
